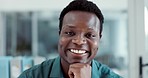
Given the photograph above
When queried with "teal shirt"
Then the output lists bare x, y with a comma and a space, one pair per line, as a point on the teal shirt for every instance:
52, 69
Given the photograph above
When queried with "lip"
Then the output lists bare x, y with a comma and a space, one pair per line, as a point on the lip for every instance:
79, 49
76, 55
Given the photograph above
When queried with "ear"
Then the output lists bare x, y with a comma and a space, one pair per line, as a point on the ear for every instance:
97, 48
100, 36
59, 32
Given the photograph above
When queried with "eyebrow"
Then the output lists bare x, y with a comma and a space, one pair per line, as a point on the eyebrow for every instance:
69, 26
72, 26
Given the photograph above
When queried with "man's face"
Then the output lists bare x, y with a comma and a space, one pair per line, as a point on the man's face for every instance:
79, 37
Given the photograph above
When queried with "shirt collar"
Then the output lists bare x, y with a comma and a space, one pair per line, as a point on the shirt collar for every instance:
95, 70
56, 71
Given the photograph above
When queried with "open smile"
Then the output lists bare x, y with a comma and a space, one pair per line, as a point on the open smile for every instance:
77, 55
78, 51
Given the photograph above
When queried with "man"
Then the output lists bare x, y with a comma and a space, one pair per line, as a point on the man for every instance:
80, 30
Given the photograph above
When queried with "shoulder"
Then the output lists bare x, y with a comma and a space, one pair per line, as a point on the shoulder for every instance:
105, 71
38, 70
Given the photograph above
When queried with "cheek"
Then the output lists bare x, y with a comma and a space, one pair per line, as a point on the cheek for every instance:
61, 45
62, 41
95, 46
96, 43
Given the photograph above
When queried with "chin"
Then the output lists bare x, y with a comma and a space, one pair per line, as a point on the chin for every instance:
78, 61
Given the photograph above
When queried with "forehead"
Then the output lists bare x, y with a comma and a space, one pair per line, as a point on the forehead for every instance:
81, 19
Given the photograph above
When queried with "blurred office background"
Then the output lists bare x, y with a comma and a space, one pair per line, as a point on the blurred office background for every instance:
29, 31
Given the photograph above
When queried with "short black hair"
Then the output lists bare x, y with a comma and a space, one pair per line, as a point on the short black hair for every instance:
82, 5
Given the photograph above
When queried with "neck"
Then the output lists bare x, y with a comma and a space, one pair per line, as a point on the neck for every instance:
65, 68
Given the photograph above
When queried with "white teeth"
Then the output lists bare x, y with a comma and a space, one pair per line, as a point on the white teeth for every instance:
77, 51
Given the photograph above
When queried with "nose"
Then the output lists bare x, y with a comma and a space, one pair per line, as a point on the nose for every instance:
79, 40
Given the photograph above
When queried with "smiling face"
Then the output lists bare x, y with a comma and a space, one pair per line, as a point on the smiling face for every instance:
79, 37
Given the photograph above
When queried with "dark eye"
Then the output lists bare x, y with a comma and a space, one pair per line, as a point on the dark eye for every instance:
90, 35
70, 33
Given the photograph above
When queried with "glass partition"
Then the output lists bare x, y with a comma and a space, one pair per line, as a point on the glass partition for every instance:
20, 35
146, 26
113, 44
